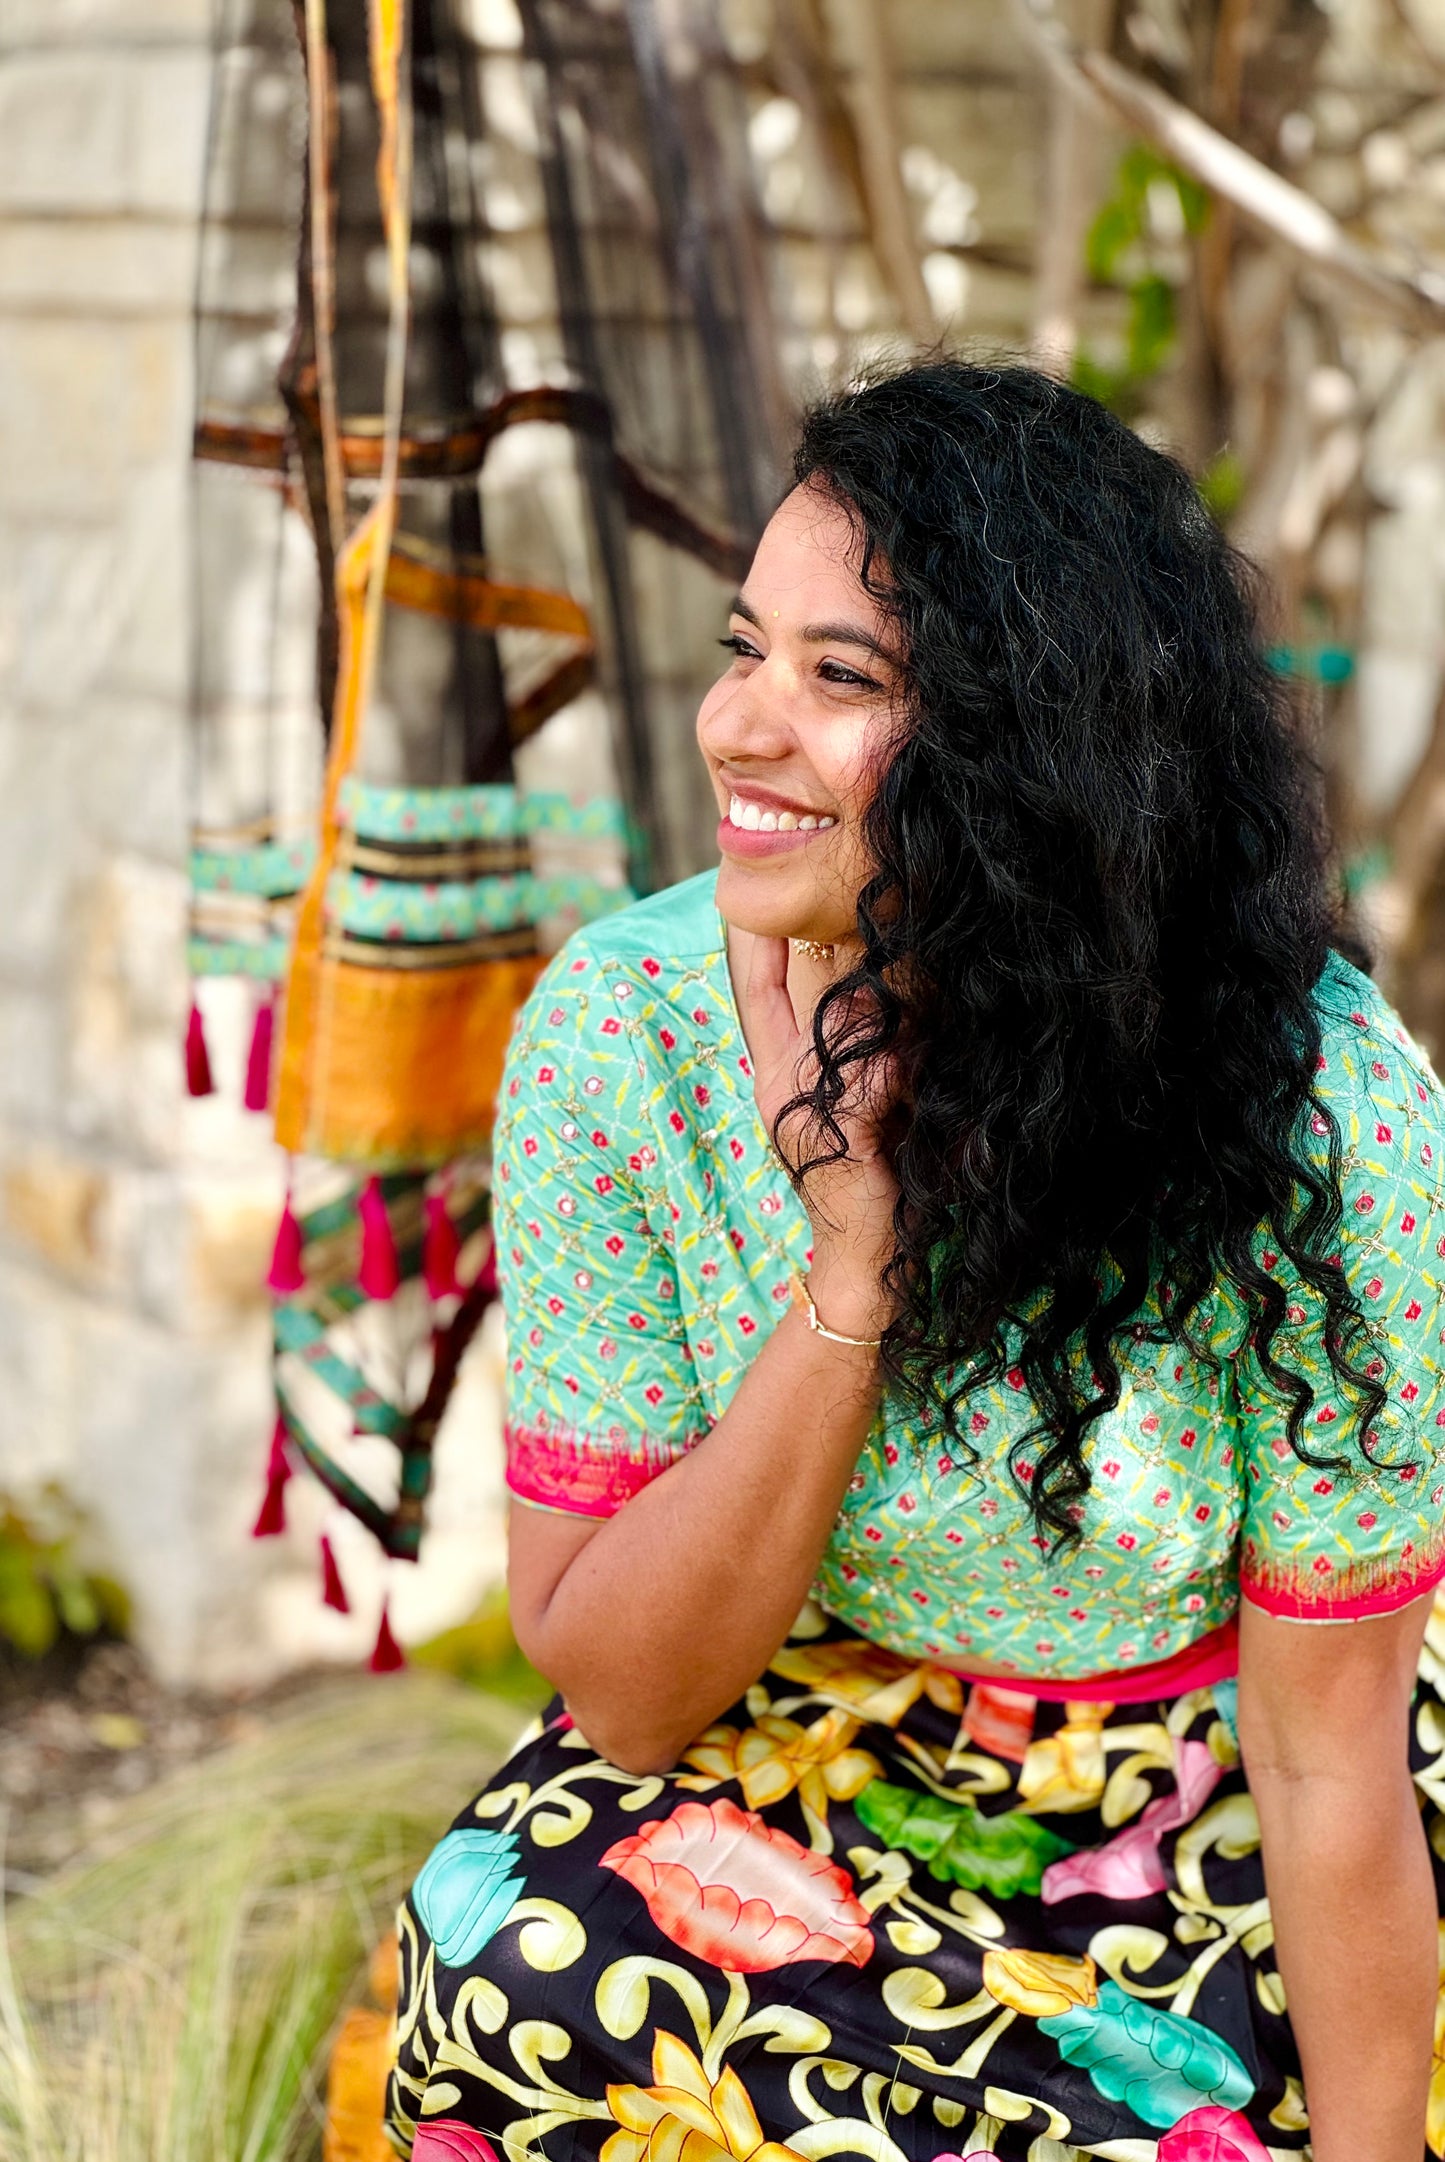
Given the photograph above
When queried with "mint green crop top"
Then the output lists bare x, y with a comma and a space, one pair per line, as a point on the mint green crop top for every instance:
646, 1233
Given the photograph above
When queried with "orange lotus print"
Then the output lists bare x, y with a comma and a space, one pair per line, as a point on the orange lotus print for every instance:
744, 1896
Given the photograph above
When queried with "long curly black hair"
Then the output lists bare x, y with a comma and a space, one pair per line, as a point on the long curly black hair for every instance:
1101, 900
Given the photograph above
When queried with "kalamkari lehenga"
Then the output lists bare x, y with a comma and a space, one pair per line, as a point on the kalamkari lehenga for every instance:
879, 1909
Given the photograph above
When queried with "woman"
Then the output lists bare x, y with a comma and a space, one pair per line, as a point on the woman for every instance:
971, 1269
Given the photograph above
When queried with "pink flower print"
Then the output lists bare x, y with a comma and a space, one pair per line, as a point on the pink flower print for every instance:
1359, 1020
741, 1894
529, 1146
1383, 1133
701, 1015
954, 1538
653, 968
737, 1150
577, 967
566, 1206
546, 1073
1188, 1438
1364, 1205
653, 1393
1212, 2134
556, 1017
676, 1121
709, 1269
739, 1242
534, 1338
747, 1324
583, 1279
871, 1531
1374, 1287
636, 1321
1110, 1468
603, 1184
1128, 1867
615, 1244
945, 1463
907, 1504
890, 1452
1407, 1473
1162, 1498
592, 1086
1407, 1222
1268, 1260
1319, 1124
988, 1506
706, 1347
1413, 1311
1151, 1424
1323, 1566
978, 1422
1327, 1416
1127, 1540
1380, 1071
599, 1139
1015, 1377
1202, 1513
666, 1038
1324, 1486
702, 1093
771, 1204
554, 1305
607, 1349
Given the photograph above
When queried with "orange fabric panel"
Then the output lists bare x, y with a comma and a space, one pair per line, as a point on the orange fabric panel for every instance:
404, 1068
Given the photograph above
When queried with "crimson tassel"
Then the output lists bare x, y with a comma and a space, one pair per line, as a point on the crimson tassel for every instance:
378, 1275
486, 1281
258, 1062
333, 1591
440, 1249
286, 1273
386, 1654
271, 1519
198, 1059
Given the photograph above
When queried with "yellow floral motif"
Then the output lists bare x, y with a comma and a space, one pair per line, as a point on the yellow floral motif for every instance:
1435, 2114
1067, 1770
772, 1758
877, 1684
1042, 1985
686, 2117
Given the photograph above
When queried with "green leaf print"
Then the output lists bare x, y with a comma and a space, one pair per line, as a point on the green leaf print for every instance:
1002, 1855
1156, 2063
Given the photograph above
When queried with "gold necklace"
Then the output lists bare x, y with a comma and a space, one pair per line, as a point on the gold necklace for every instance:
816, 949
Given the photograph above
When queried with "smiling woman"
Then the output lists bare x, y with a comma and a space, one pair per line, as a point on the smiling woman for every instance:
973, 1287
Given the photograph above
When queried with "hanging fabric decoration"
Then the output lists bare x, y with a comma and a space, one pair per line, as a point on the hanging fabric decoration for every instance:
378, 1275
333, 1591
198, 1061
258, 1060
271, 1519
386, 1654
286, 1273
441, 1249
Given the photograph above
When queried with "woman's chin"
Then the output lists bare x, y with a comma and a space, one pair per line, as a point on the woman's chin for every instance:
757, 898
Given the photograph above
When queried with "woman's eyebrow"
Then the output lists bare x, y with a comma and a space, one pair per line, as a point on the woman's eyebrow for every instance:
822, 634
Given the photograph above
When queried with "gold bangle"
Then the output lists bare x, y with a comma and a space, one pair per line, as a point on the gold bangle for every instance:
803, 1297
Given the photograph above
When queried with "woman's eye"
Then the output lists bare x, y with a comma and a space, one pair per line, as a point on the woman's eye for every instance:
739, 645
835, 672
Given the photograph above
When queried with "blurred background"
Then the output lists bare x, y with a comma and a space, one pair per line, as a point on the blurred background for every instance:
390, 395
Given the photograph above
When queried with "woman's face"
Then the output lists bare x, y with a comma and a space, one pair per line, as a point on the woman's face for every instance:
793, 732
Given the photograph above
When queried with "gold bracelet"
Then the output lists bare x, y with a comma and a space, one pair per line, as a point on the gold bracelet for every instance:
803, 1297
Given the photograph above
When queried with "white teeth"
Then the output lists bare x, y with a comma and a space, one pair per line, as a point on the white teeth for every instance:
735, 810
787, 821
751, 819
826, 822
768, 823
807, 823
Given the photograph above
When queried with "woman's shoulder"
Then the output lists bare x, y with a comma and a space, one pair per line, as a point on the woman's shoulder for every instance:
1374, 1075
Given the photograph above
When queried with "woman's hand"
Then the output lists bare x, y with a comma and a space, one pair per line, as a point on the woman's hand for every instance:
850, 1203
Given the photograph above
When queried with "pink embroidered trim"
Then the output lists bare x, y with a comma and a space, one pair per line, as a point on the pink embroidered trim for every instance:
560, 1467
1212, 1658
1320, 1591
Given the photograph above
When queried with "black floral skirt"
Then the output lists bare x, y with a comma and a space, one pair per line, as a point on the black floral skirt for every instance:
873, 1913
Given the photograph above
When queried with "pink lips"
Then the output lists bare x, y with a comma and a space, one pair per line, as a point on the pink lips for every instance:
742, 841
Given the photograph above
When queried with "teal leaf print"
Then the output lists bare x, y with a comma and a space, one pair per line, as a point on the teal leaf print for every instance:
1003, 1855
465, 1892
1158, 2065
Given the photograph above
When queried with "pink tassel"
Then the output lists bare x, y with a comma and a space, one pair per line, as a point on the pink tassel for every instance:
258, 1063
333, 1591
271, 1519
440, 1249
378, 1275
286, 1273
486, 1281
387, 1655
198, 1059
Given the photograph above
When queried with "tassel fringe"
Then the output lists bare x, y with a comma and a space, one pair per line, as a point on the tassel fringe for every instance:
440, 1249
387, 1655
258, 1062
286, 1273
271, 1518
378, 1274
198, 1058
333, 1591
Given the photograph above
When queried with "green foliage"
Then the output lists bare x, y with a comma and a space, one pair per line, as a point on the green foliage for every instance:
1132, 245
43, 1586
1003, 1855
175, 1992
483, 1653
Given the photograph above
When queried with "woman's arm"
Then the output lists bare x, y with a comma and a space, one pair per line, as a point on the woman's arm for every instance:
655, 1620
1323, 1725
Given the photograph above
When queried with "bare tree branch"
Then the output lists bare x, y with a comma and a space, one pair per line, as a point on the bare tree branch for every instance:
1272, 204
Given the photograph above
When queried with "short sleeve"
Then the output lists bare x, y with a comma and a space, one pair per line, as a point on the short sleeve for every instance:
1321, 1545
601, 1394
